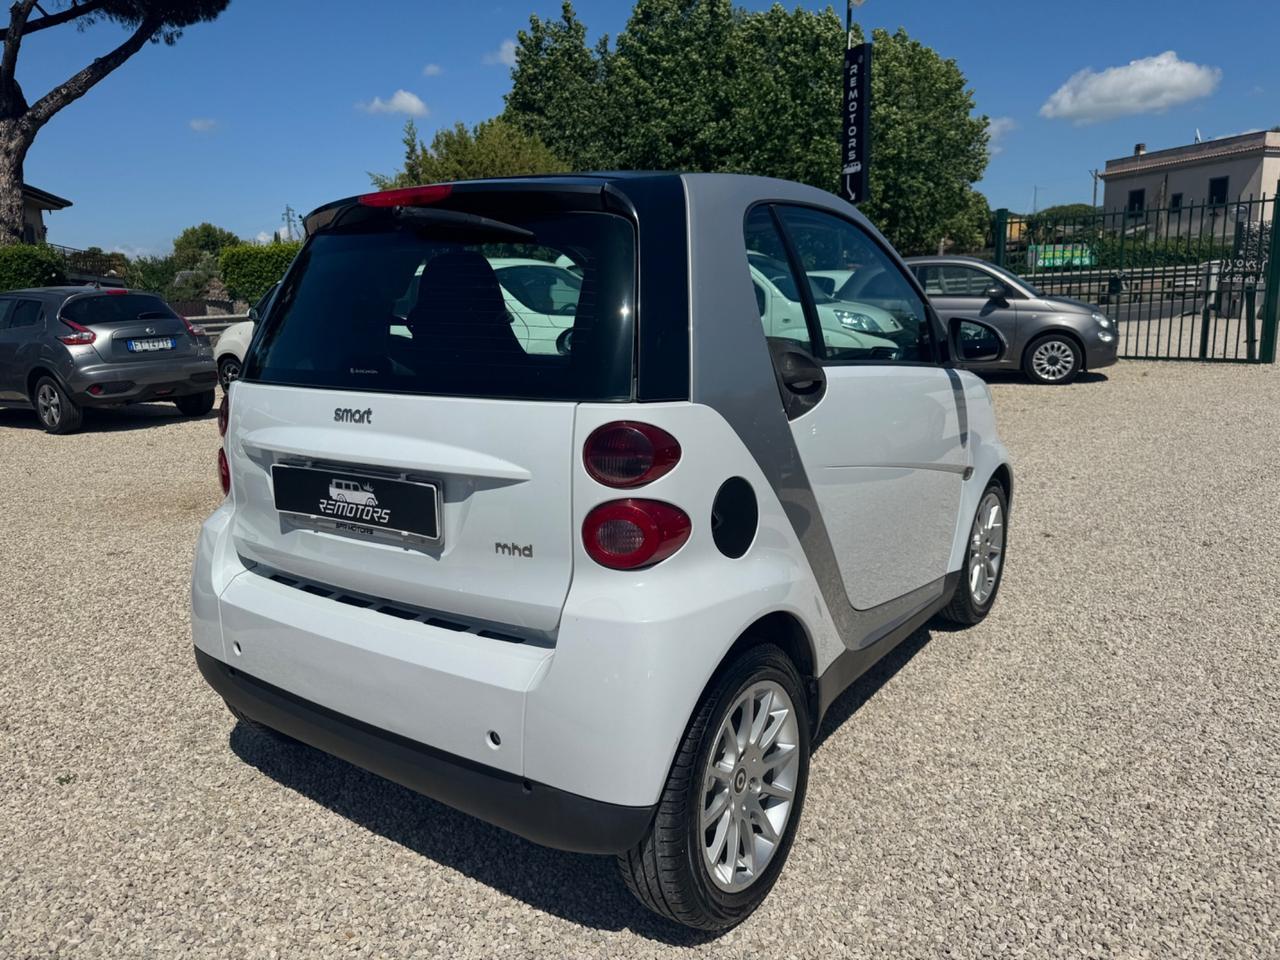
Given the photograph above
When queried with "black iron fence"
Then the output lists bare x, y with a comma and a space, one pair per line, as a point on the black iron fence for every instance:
1192, 282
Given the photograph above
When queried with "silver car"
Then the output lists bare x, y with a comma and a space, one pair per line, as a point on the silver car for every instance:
66, 348
1051, 339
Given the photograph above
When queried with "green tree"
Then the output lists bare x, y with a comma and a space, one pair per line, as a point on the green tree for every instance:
250, 269
967, 231
194, 242
154, 21
152, 273
705, 85
494, 148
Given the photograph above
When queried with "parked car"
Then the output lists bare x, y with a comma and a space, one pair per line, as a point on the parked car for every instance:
603, 598
541, 298
782, 312
66, 348
1051, 339
233, 342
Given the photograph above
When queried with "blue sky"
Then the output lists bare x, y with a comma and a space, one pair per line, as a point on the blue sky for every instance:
293, 101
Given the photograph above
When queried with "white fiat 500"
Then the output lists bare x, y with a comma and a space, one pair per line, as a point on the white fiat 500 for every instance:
601, 598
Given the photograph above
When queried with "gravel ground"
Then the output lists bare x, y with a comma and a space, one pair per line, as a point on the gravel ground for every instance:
1091, 772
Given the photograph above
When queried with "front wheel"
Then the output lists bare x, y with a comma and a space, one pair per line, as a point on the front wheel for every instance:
728, 814
195, 404
58, 413
1053, 359
983, 561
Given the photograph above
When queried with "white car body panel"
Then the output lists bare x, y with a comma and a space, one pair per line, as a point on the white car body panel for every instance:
233, 341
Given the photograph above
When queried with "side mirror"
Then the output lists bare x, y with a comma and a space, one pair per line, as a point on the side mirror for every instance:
975, 342
998, 292
253, 314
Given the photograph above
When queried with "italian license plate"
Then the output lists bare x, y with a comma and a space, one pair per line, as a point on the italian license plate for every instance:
150, 344
375, 503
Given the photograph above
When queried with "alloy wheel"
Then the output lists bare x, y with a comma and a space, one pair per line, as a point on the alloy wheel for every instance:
228, 371
1053, 360
749, 786
48, 405
986, 549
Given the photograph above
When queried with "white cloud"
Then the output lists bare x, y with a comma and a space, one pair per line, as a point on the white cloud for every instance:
1150, 85
432, 70
402, 101
999, 128
505, 54
202, 124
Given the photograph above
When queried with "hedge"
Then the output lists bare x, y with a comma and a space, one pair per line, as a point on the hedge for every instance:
24, 265
249, 269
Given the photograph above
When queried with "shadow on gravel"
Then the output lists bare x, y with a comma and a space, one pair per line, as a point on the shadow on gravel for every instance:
139, 416
582, 889
1003, 376
869, 684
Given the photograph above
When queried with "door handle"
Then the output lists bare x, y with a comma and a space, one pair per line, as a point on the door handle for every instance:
801, 374
801, 379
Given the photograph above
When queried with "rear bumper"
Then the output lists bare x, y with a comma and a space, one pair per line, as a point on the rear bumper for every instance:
138, 382
543, 814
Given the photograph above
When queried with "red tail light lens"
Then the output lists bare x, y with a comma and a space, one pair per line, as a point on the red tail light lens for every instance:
629, 454
630, 534
224, 415
80, 336
408, 197
192, 328
224, 472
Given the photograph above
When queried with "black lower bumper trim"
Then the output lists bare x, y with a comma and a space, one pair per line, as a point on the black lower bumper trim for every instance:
543, 814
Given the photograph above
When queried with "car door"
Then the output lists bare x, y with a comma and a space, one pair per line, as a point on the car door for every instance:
962, 290
21, 321
881, 444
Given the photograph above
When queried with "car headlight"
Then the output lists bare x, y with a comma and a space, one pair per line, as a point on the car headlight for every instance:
856, 321
1102, 320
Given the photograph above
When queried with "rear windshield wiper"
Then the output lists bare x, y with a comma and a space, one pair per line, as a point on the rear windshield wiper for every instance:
426, 218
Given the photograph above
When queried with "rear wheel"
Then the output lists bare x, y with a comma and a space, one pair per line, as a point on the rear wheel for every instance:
228, 371
732, 802
57, 412
983, 561
195, 404
1054, 358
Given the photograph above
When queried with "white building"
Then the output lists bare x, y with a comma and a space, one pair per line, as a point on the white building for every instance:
1217, 172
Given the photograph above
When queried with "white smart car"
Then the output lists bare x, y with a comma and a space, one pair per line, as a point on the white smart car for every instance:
605, 596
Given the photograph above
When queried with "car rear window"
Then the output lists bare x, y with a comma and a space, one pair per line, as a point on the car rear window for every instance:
410, 304
111, 308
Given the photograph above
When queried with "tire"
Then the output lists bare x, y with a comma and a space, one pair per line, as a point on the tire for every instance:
1052, 359
195, 404
57, 412
968, 604
670, 871
228, 370
261, 729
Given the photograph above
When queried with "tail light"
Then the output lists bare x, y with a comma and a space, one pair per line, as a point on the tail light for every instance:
192, 328
629, 454
224, 415
630, 534
80, 337
224, 472
408, 197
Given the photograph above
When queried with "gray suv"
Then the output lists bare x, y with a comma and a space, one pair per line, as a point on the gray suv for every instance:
66, 348
1051, 339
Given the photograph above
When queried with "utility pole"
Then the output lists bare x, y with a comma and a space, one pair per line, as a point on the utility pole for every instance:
1097, 175
288, 217
1035, 199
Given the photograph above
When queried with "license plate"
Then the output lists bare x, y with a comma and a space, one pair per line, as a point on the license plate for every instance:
154, 343
375, 503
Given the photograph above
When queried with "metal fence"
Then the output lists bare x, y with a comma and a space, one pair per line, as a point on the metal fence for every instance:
1193, 282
